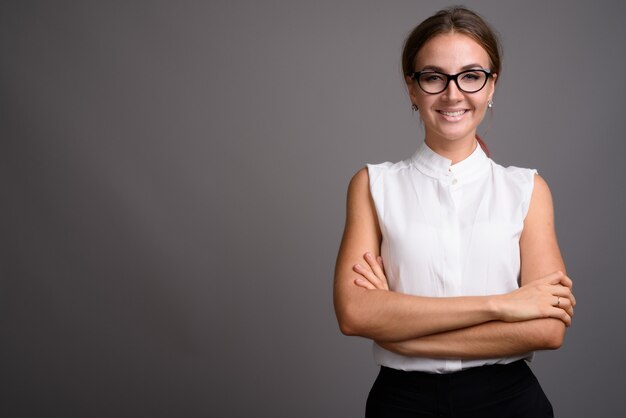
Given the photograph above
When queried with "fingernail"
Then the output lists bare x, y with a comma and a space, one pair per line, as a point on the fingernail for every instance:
357, 266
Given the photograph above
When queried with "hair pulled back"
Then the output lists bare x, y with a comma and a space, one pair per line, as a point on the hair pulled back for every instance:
455, 19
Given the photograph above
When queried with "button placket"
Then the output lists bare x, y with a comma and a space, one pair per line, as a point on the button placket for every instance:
451, 238
454, 179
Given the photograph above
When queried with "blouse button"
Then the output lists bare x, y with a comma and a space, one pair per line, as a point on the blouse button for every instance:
454, 181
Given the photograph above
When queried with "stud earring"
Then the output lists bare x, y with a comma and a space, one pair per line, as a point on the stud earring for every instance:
414, 107
490, 104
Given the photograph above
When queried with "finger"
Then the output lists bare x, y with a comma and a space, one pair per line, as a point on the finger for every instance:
558, 277
572, 299
560, 290
382, 266
369, 275
566, 305
562, 315
564, 280
564, 292
554, 277
376, 268
361, 282
374, 265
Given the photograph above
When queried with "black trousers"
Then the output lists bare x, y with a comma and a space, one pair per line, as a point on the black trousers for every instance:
502, 391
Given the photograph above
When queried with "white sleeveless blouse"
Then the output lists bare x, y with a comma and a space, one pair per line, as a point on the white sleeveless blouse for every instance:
449, 230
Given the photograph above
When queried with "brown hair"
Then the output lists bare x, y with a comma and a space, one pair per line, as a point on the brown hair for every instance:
455, 19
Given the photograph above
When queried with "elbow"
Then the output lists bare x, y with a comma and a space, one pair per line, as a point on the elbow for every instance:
553, 334
347, 323
350, 319
347, 329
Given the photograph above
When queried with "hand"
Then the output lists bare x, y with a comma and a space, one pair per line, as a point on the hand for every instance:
372, 276
548, 297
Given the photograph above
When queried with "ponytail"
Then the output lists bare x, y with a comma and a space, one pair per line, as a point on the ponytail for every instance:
483, 146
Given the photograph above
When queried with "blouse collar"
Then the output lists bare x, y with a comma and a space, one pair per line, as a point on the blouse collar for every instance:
434, 165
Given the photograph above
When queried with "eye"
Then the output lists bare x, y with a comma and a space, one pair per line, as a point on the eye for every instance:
472, 76
431, 77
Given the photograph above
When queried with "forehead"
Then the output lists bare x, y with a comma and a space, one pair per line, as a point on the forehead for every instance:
451, 52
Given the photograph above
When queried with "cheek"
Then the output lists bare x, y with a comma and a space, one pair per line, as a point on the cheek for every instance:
480, 106
425, 101
480, 103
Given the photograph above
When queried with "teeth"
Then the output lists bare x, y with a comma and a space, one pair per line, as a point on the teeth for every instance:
457, 113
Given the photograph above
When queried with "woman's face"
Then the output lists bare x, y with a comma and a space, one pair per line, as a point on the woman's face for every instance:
451, 115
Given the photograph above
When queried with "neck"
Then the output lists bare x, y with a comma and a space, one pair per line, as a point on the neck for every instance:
456, 150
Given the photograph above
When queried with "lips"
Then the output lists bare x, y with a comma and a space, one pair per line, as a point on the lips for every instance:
452, 115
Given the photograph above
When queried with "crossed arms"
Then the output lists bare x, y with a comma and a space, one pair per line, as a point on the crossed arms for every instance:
533, 317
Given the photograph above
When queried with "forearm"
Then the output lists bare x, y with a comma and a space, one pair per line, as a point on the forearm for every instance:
488, 340
391, 316
384, 315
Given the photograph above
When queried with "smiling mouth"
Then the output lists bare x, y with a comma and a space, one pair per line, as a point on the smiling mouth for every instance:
453, 114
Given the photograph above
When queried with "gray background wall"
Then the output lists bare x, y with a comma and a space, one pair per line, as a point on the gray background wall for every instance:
173, 177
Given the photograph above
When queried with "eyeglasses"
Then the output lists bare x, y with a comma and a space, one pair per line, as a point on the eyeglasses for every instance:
433, 82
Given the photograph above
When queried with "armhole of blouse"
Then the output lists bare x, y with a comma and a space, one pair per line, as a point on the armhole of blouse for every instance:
528, 191
373, 171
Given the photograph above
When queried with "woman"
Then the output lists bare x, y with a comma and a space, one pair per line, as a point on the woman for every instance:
473, 280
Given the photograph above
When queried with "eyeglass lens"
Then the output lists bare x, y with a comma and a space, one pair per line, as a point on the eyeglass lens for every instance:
467, 81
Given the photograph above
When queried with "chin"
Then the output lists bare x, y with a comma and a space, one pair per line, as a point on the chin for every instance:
454, 136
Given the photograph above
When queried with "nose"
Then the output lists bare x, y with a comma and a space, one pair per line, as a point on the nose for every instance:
452, 92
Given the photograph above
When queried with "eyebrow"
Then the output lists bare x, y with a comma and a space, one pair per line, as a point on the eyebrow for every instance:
464, 68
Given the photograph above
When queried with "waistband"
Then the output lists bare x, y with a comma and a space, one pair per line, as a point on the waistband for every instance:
495, 374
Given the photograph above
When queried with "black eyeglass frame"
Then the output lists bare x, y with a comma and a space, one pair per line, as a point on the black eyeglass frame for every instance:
415, 76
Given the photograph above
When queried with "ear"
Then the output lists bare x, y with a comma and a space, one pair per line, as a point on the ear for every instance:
412, 87
492, 86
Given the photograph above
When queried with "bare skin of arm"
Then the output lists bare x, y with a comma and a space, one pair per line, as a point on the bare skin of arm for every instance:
385, 316
539, 255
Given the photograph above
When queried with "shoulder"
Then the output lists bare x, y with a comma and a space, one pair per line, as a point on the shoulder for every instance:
369, 182
359, 181
360, 206
390, 166
514, 173
528, 177
541, 198
378, 172
359, 187
366, 177
540, 185
519, 184
515, 178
